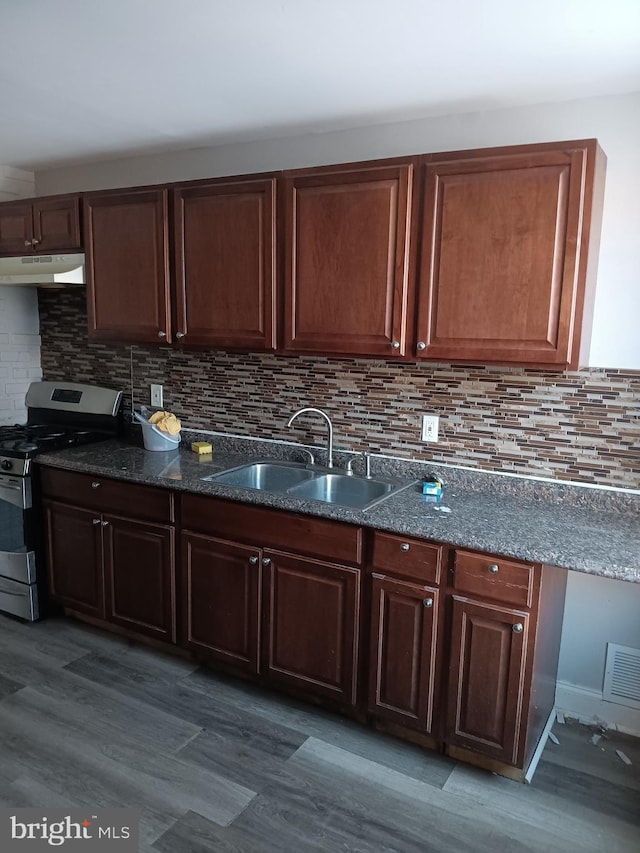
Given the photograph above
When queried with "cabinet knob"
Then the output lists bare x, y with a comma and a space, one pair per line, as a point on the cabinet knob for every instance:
179, 335
27, 244
266, 561
421, 345
34, 242
96, 521
492, 569
104, 523
518, 628
253, 560
95, 485
395, 344
162, 334
404, 546
427, 602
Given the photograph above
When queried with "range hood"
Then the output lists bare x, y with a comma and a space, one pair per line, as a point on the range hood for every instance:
43, 270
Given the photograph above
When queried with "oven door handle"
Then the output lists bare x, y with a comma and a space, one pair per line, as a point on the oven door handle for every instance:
16, 491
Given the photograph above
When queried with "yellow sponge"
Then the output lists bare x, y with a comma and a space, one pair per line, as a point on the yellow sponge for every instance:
201, 447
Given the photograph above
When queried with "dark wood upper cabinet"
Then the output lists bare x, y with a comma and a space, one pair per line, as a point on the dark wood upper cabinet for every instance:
508, 254
346, 259
127, 264
50, 224
225, 264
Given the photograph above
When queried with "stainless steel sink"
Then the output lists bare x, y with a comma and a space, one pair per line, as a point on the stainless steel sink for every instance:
301, 481
267, 476
340, 489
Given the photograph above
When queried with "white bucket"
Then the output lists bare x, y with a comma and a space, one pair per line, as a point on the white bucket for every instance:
156, 439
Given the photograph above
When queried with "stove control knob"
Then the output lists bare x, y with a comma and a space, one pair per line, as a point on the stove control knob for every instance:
6, 465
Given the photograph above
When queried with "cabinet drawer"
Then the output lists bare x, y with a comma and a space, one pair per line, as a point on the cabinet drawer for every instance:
92, 491
493, 577
268, 528
407, 557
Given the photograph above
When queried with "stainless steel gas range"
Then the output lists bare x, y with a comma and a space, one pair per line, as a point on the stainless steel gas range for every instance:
59, 414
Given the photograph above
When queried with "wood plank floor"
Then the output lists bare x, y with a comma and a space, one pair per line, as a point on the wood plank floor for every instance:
214, 764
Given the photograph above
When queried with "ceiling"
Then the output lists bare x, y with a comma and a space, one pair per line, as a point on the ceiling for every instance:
84, 80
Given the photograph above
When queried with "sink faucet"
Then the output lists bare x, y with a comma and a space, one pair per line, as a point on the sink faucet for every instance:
329, 429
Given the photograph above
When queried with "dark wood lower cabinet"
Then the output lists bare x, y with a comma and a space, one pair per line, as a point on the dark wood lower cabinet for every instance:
74, 557
486, 678
403, 648
221, 584
139, 574
312, 618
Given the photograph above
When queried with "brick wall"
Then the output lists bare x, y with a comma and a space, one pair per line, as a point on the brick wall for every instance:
19, 338
582, 426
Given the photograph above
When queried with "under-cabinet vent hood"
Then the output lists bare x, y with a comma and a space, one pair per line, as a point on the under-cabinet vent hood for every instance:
43, 270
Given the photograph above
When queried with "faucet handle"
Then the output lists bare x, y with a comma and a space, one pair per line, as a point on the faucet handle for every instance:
367, 463
348, 468
312, 458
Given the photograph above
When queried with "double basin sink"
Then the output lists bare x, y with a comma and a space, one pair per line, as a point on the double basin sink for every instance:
299, 480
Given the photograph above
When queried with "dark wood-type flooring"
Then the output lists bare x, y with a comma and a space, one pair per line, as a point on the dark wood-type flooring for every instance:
215, 764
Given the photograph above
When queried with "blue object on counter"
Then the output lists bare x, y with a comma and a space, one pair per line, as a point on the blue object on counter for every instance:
432, 486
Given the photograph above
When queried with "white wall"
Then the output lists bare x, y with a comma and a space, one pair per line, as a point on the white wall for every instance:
615, 121
19, 325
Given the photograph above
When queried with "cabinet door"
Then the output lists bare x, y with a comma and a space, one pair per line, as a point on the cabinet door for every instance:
225, 264
346, 260
16, 228
127, 266
56, 224
140, 577
402, 662
74, 557
312, 614
221, 599
500, 257
487, 678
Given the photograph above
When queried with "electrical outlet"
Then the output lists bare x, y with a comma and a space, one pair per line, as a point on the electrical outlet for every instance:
156, 396
430, 427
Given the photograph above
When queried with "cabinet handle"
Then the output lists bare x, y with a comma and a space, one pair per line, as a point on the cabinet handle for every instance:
404, 546
104, 523
96, 521
518, 628
266, 561
427, 602
95, 485
253, 560
179, 335
162, 334
492, 569
395, 344
421, 345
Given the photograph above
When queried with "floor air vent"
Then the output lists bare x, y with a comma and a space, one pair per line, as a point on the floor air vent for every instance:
622, 676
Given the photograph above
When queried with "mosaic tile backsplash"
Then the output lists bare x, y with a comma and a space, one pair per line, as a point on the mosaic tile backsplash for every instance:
582, 426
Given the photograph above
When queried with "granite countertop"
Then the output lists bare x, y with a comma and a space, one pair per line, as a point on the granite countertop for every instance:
587, 530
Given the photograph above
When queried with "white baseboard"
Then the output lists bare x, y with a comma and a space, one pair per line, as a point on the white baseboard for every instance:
584, 704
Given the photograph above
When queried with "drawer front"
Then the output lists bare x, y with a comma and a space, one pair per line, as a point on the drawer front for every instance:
92, 491
410, 558
268, 528
493, 577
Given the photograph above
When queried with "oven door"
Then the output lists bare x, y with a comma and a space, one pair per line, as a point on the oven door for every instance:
17, 551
